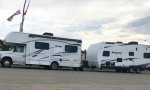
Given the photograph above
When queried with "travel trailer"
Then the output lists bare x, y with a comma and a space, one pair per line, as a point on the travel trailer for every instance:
123, 57
43, 50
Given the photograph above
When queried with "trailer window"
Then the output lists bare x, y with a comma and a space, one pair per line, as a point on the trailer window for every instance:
146, 55
131, 53
41, 45
71, 49
119, 59
106, 53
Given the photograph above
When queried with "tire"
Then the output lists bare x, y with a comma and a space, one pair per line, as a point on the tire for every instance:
75, 69
131, 70
124, 70
118, 70
54, 66
6, 62
138, 70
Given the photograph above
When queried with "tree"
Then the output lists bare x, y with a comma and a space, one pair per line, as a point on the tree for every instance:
1, 42
3, 47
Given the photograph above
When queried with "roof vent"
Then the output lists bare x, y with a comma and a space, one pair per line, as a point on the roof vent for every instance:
133, 42
48, 34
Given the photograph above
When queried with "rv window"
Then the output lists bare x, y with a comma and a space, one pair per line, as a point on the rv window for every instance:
19, 49
119, 59
71, 49
131, 53
146, 55
41, 45
106, 53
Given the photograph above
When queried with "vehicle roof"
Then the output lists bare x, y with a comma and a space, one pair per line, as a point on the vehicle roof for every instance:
19, 37
58, 38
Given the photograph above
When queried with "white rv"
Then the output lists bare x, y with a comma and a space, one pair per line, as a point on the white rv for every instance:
44, 50
123, 57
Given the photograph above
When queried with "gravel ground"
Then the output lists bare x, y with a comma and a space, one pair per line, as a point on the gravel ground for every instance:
41, 79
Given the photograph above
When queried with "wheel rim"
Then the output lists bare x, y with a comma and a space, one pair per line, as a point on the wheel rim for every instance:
7, 63
138, 70
131, 70
54, 66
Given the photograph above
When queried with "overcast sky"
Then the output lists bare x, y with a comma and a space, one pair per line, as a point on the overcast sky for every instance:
91, 21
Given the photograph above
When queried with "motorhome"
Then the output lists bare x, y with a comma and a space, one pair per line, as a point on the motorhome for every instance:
123, 57
43, 50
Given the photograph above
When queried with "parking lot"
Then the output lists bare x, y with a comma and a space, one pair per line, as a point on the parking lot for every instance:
20, 78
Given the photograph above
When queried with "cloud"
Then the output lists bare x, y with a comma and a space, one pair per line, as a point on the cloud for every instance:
85, 26
140, 25
89, 20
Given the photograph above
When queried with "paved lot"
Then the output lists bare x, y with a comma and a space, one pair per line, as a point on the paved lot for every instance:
42, 79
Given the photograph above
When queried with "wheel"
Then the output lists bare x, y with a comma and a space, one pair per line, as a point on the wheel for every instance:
137, 70
118, 70
131, 70
124, 70
75, 69
6, 62
54, 66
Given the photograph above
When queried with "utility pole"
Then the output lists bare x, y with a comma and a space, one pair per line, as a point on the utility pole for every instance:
24, 11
